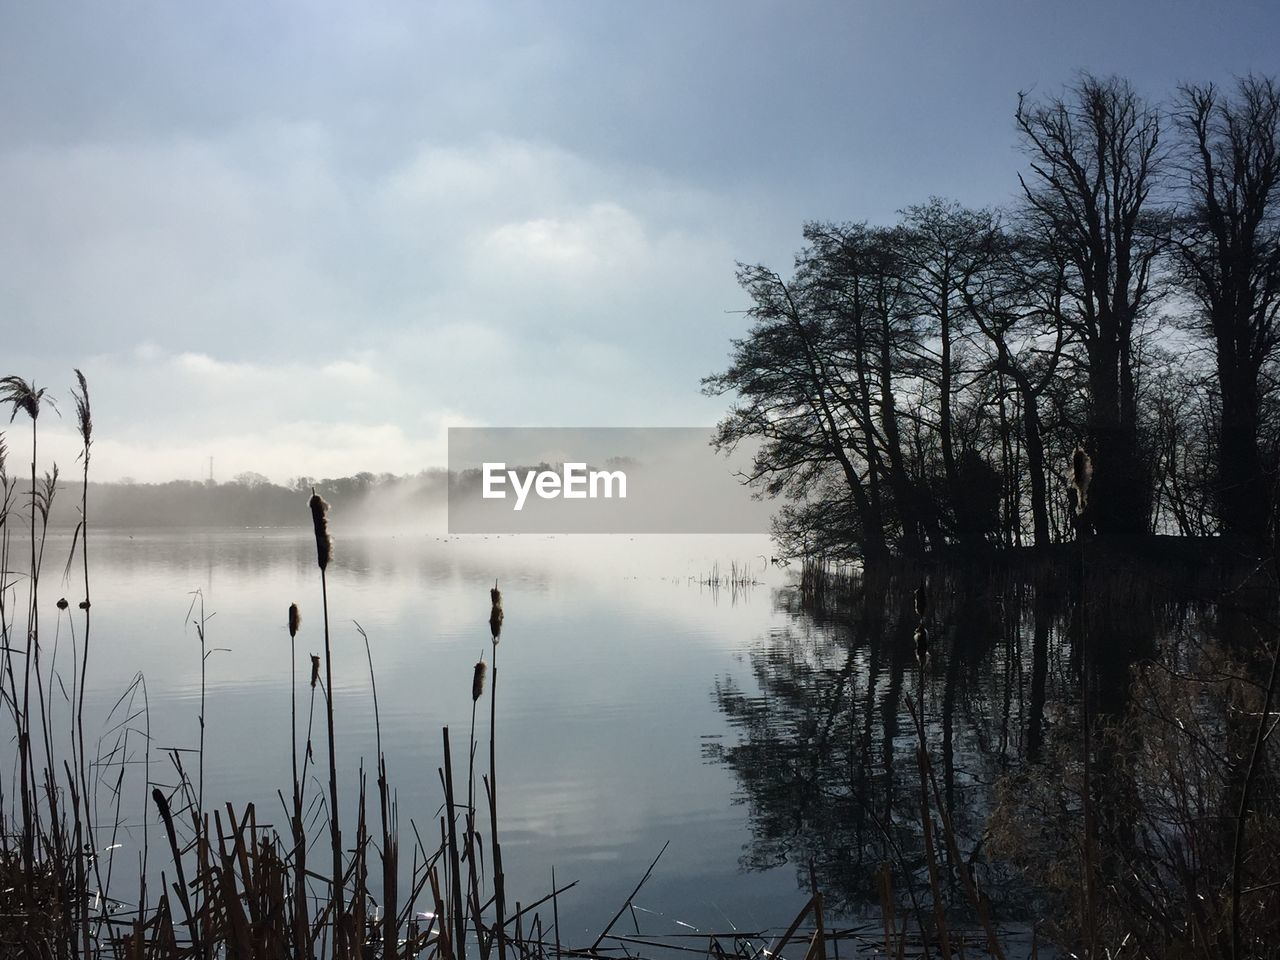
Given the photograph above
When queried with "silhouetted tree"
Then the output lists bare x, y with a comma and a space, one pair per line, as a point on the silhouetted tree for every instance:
1015, 303
1229, 251
860, 274
789, 400
945, 250
1184, 427
906, 378
1095, 159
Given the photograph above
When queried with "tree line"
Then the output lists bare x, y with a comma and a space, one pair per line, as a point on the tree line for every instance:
923, 384
252, 500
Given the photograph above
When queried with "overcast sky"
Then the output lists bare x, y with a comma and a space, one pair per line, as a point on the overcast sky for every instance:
305, 238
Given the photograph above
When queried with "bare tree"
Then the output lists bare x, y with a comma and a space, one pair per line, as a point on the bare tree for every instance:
791, 400
1229, 251
1014, 301
874, 335
945, 252
1095, 159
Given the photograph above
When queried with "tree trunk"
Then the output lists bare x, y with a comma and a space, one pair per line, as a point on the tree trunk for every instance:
1241, 489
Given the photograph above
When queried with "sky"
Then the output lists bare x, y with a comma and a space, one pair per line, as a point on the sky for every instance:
304, 239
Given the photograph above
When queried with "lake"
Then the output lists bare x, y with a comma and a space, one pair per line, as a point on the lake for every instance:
751, 729
608, 665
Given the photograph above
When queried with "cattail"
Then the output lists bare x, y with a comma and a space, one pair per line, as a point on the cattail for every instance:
1081, 474
495, 613
922, 644
162, 804
62, 603
83, 604
477, 680
922, 599
324, 542
295, 620
315, 671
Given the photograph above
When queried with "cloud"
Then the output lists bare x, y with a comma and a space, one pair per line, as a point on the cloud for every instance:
249, 284
574, 250
175, 241
281, 451
162, 416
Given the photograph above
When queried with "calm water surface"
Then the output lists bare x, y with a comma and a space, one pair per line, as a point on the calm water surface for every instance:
636, 707
608, 667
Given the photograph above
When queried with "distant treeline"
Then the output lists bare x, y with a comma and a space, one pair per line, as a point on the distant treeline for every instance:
925, 383
252, 500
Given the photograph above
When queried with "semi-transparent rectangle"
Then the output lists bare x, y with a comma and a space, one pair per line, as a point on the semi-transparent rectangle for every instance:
675, 482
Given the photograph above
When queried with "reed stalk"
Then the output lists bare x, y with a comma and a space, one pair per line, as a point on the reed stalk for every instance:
471, 847
201, 623
496, 617
324, 552
25, 397
84, 423
301, 925
455, 877
389, 855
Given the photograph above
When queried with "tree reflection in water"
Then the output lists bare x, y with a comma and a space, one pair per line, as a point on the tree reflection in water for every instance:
825, 756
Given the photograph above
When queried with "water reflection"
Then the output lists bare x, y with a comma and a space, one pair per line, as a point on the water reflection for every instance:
607, 649
825, 752
608, 741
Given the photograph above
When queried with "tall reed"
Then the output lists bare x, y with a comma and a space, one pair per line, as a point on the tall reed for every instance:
324, 552
301, 925
84, 425
496, 616
27, 398
472, 853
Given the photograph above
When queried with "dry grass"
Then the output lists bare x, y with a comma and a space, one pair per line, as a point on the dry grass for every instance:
1169, 778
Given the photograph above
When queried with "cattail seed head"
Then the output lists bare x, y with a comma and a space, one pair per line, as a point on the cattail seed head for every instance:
922, 643
315, 671
922, 599
62, 603
1081, 474
477, 680
320, 519
295, 620
495, 612
83, 604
